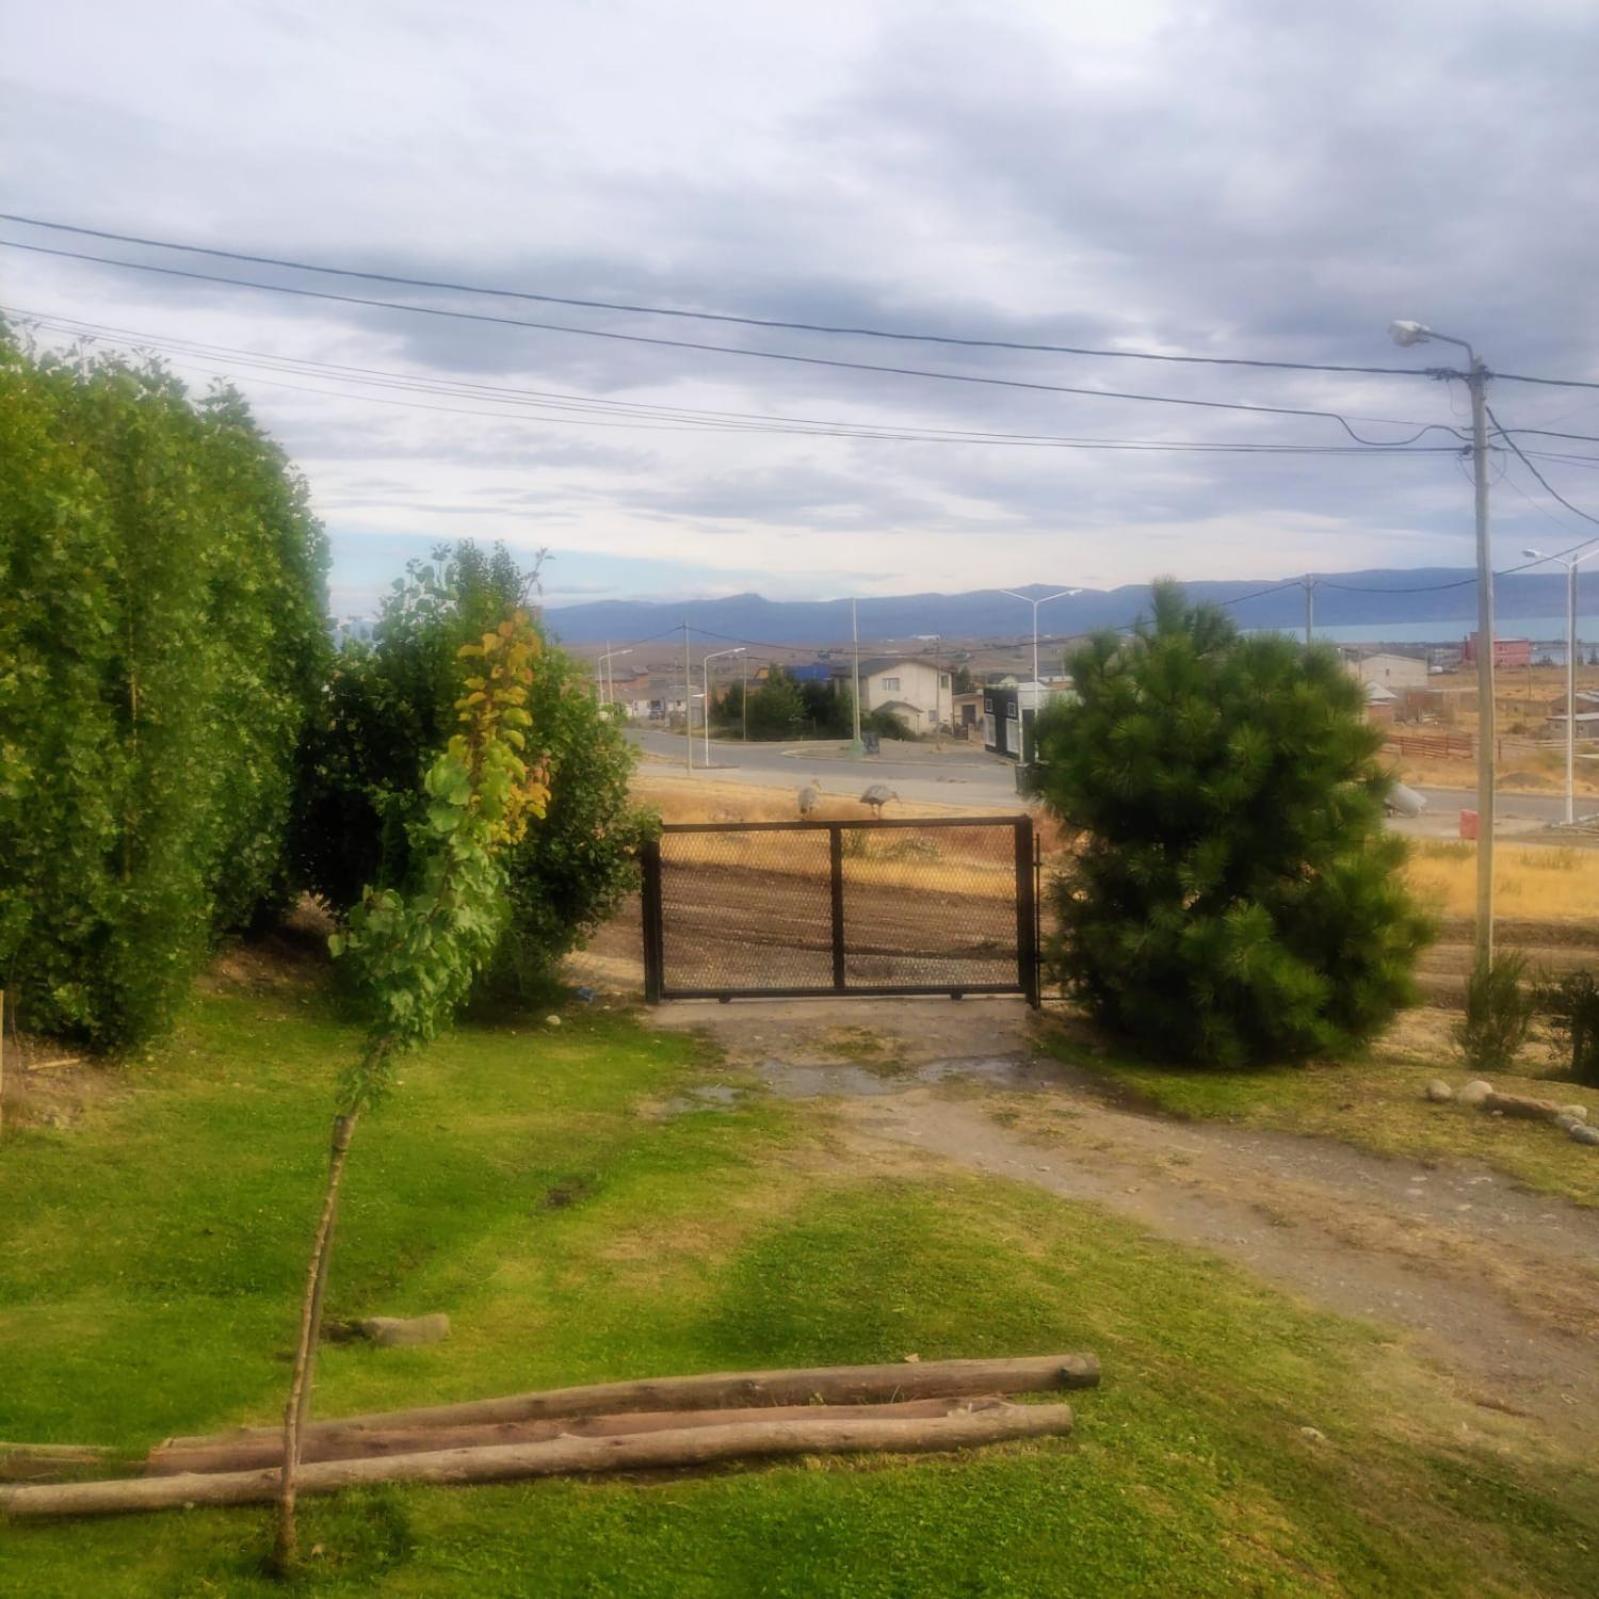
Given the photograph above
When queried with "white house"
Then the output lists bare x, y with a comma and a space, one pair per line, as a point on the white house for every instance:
1392, 671
917, 691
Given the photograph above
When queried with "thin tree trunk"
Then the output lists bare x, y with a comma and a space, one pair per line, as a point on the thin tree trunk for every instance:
295, 1411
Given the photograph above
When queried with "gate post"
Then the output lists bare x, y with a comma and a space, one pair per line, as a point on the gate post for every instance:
835, 853
650, 897
1026, 915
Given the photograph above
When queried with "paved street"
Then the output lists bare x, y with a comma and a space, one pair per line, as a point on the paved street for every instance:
966, 776
920, 774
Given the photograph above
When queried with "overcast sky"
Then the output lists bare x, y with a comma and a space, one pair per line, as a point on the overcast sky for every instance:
1250, 177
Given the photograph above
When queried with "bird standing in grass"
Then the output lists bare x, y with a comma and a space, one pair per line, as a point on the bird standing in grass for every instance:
810, 797
877, 796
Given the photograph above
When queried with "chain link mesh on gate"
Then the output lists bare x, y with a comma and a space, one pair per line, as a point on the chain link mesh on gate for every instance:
841, 907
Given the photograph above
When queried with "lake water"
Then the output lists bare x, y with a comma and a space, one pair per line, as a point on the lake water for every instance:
1542, 630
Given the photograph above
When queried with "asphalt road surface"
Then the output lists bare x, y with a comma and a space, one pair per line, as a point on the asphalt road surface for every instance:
926, 776
965, 776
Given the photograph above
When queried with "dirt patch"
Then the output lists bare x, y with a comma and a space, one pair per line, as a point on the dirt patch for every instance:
282, 960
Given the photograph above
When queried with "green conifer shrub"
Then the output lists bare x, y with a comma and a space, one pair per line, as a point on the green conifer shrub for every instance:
1235, 897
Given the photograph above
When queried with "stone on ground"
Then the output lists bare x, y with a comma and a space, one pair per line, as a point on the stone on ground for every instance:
1438, 1091
1475, 1092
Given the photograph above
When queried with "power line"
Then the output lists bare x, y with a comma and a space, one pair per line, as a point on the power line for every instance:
1551, 383
1548, 487
765, 355
850, 331
661, 417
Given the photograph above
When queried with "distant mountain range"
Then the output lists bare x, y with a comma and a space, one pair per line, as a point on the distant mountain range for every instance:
1371, 598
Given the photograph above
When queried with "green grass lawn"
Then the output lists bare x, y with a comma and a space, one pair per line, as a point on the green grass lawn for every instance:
1377, 1102
524, 1181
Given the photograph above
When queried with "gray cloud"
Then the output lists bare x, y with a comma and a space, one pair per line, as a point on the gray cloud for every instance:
1249, 177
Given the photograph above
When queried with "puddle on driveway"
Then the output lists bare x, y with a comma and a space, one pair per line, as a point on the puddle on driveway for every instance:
708, 1096
790, 1081
844, 1080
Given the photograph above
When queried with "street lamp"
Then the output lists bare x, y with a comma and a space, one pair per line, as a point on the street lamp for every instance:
1476, 375
705, 667
607, 680
1571, 563
1063, 594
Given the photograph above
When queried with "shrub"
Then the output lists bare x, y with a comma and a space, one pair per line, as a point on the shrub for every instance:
1572, 1004
1236, 897
390, 705
162, 641
1499, 1011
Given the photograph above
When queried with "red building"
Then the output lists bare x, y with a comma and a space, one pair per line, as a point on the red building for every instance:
1507, 651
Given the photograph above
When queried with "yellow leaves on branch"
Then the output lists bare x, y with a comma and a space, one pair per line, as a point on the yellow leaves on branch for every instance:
507, 789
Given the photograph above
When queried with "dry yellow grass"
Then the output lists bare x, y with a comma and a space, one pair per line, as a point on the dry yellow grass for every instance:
686, 799
975, 862
1538, 881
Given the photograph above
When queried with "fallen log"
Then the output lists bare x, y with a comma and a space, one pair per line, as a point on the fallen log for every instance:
32, 1462
170, 1459
848, 1385
676, 1448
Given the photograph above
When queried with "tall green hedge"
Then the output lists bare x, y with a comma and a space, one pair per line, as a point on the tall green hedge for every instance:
162, 644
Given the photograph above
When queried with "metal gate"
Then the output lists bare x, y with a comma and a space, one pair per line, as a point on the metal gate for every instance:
943, 905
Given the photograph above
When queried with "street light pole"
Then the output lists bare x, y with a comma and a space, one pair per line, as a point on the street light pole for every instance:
1063, 594
607, 674
1408, 333
1571, 563
705, 667
855, 634
688, 702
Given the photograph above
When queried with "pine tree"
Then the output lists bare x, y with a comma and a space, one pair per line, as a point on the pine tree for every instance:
1236, 897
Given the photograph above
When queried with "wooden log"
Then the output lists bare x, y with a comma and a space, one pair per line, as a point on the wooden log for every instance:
846, 1385
673, 1449
45, 1462
167, 1460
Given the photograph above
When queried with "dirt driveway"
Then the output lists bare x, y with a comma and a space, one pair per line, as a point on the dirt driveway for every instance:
1497, 1287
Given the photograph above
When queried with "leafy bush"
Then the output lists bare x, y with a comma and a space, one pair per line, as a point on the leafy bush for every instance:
1499, 1011
162, 644
390, 705
1572, 1004
1236, 897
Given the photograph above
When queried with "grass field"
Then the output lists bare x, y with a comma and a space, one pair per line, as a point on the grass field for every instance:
539, 1186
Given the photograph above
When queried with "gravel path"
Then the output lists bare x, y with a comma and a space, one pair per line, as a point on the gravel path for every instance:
1498, 1286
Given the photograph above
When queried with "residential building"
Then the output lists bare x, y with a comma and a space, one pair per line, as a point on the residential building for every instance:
1507, 652
1381, 703
1009, 711
915, 690
966, 712
1387, 667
